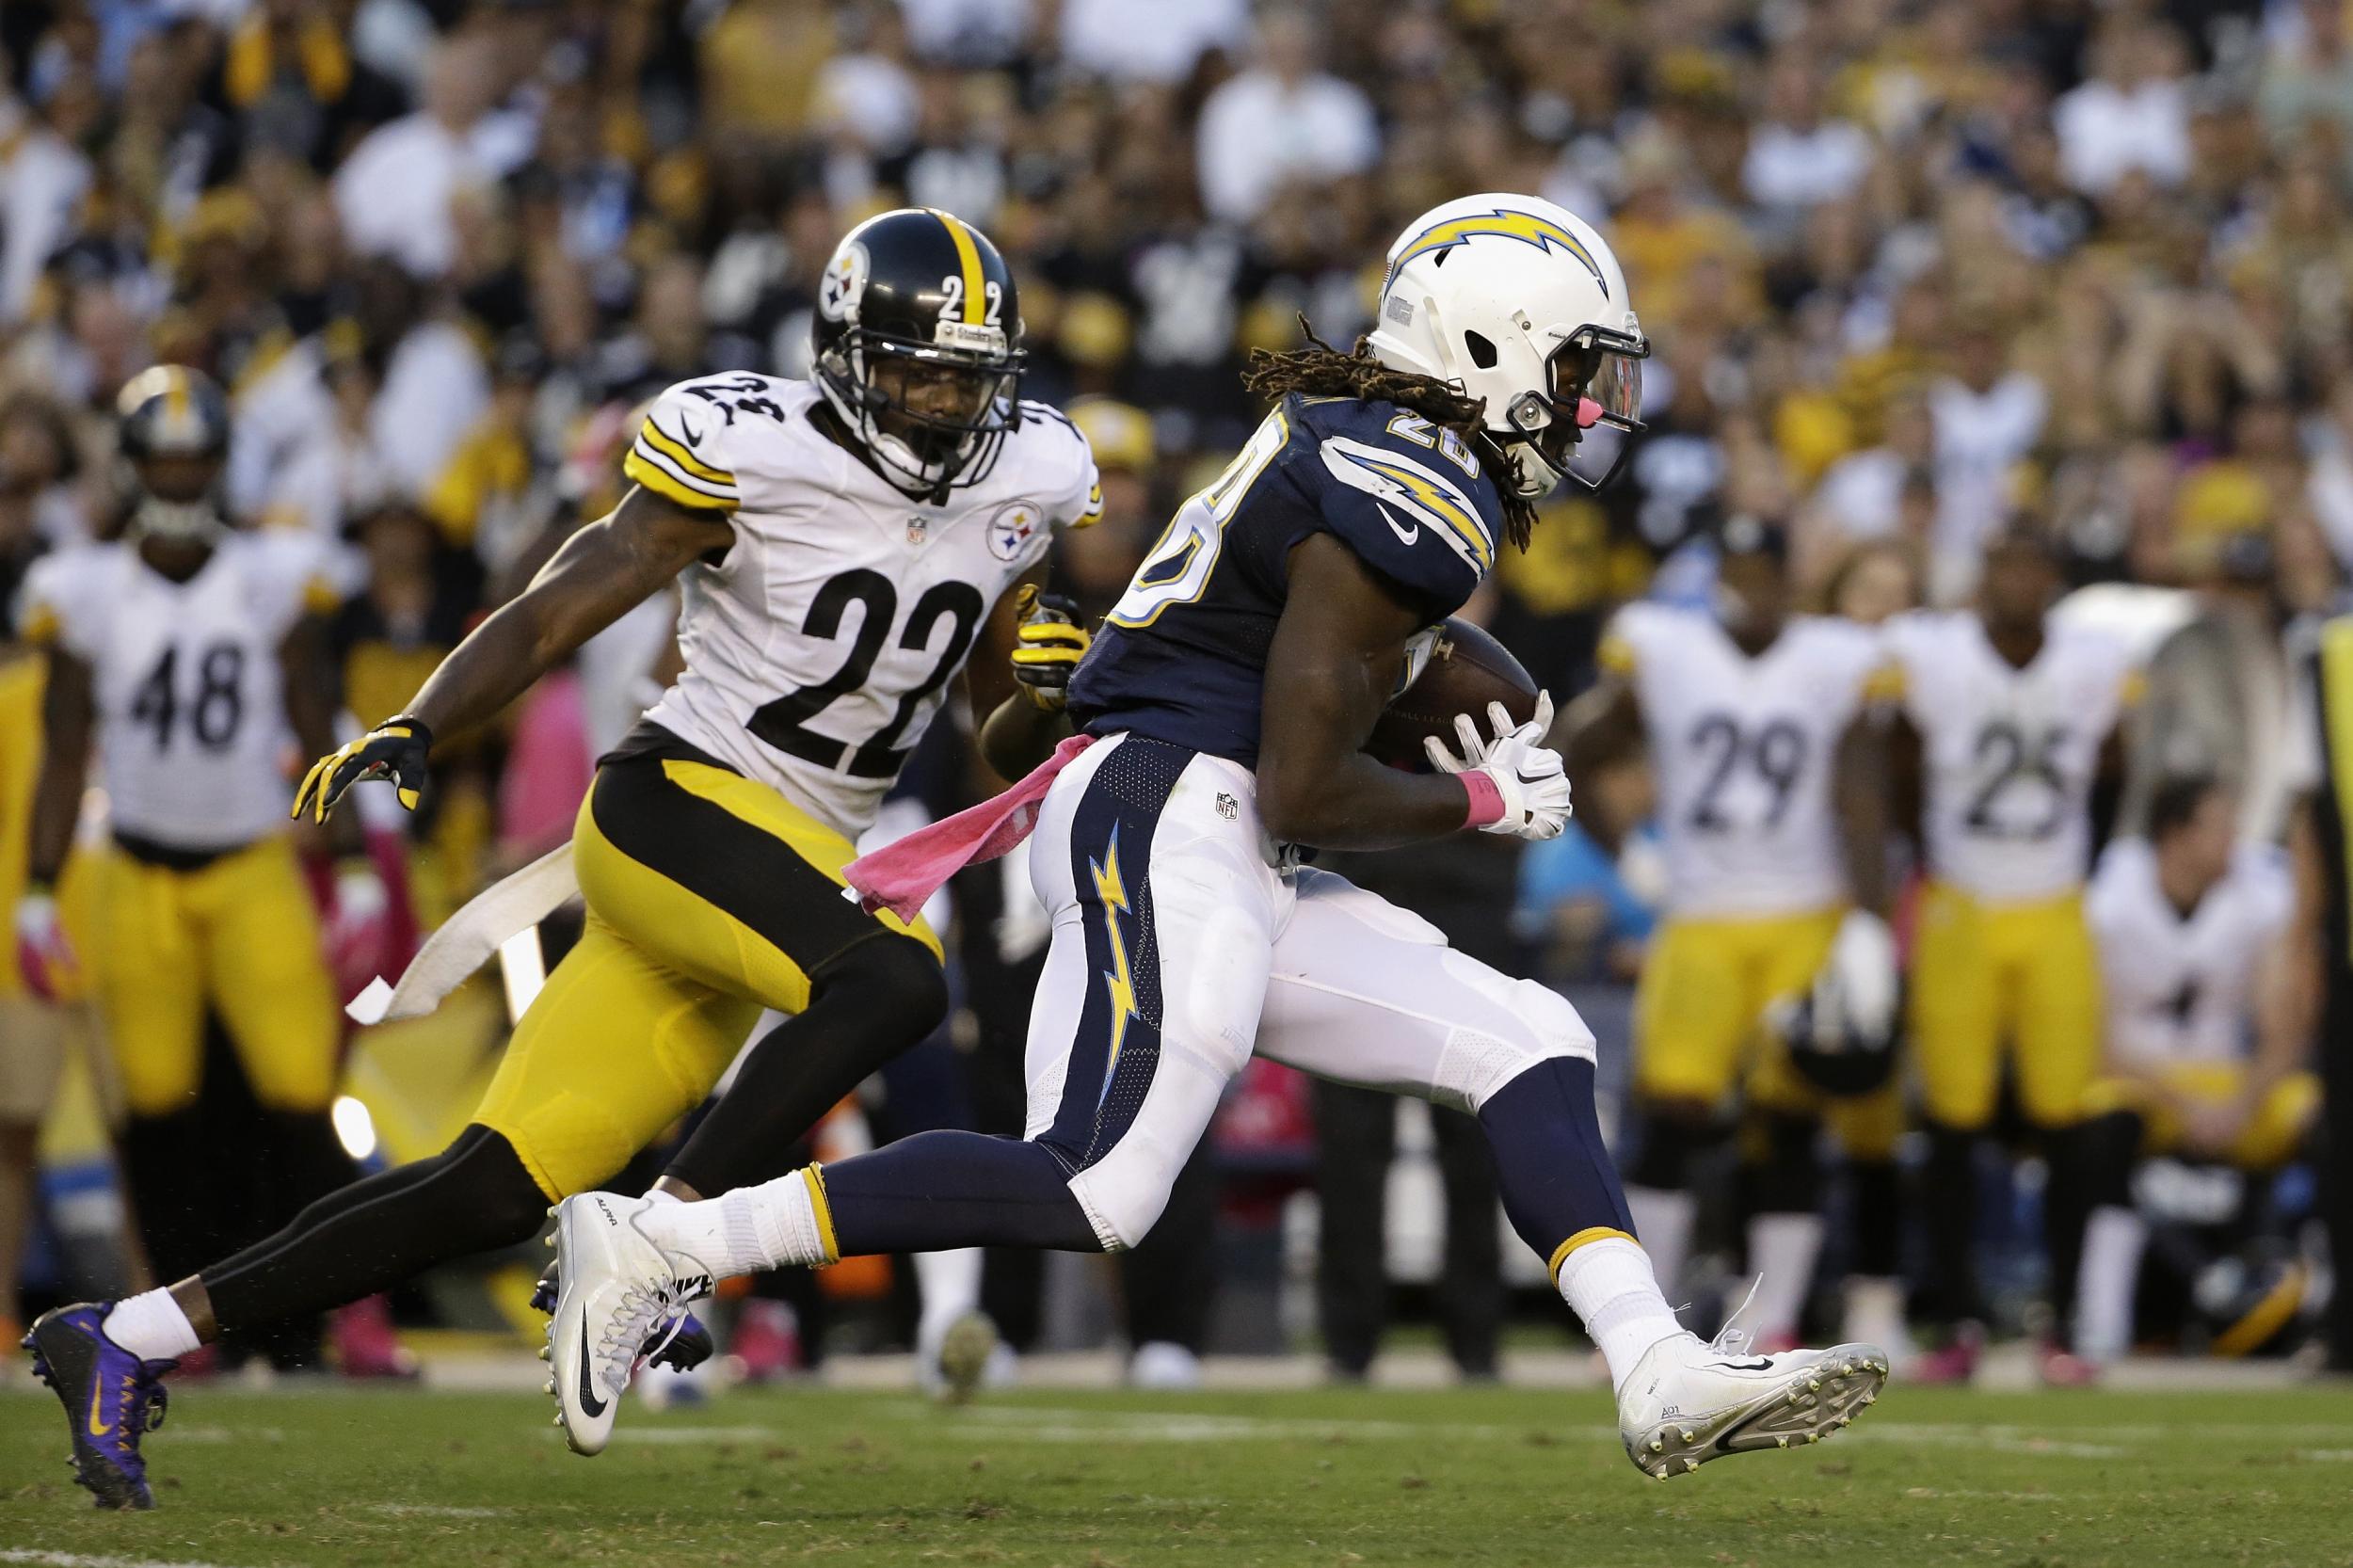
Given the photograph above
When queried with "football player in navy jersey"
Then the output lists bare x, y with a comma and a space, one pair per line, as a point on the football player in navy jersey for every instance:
1229, 701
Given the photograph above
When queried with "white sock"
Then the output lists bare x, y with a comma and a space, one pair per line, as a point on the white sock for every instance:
1782, 1248
2104, 1282
151, 1326
1610, 1286
950, 1286
1662, 1217
772, 1225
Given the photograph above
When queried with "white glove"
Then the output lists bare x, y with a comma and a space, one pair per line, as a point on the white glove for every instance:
1527, 774
43, 956
1858, 990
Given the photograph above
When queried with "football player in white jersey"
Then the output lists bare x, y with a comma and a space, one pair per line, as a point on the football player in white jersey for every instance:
2007, 719
2207, 1038
1756, 720
1221, 715
189, 655
842, 547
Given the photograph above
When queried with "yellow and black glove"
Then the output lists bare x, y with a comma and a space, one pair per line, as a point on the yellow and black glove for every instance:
1049, 646
394, 749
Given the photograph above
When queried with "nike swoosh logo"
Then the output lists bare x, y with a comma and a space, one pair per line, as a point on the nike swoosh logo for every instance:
1762, 1364
694, 437
97, 1397
589, 1401
1404, 536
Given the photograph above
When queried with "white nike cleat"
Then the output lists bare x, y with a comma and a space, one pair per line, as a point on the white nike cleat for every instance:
616, 1288
1689, 1401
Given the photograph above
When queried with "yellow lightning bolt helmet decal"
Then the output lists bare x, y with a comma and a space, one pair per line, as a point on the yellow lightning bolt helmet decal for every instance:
1116, 979
1504, 223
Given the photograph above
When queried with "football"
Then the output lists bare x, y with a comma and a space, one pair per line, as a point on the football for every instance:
1468, 669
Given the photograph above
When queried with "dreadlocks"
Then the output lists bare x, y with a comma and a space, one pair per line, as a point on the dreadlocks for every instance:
1324, 370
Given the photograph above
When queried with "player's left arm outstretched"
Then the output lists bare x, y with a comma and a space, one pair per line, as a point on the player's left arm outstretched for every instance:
1338, 651
599, 573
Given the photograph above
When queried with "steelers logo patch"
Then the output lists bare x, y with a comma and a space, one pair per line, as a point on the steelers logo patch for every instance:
1015, 524
844, 284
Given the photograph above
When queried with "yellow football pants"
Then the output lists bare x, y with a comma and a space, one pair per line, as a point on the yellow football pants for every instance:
239, 935
710, 897
1990, 981
2270, 1138
1704, 988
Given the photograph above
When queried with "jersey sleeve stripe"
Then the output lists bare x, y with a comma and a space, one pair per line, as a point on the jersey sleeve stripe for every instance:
670, 484
668, 446
1093, 512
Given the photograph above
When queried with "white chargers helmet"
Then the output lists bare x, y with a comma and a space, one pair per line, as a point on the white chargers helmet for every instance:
1520, 302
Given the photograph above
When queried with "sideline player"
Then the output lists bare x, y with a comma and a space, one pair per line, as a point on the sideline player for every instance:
1226, 705
2207, 1036
192, 654
842, 546
2007, 719
1772, 808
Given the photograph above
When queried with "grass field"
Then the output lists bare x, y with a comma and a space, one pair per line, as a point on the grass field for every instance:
337, 1478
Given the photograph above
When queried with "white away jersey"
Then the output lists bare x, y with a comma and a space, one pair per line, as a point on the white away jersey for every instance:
193, 742
820, 646
2010, 754
1743, 748
2180, 988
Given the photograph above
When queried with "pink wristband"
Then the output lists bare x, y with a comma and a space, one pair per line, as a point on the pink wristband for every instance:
1486, 799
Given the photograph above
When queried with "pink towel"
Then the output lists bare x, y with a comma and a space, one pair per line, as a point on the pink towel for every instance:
901, 876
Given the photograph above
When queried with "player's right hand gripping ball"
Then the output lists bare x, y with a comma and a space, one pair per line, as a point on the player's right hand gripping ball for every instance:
1049, 646
394, 749
1527, 774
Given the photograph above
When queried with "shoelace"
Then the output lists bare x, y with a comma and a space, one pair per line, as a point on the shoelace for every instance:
1731, 1341
138, 1410
618, 1347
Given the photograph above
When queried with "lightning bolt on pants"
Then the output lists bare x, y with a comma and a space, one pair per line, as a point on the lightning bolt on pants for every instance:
1181, 945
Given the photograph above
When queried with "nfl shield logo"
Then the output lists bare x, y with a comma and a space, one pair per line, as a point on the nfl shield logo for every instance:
918, 529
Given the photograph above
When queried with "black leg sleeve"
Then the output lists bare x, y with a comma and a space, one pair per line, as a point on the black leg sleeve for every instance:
867, 1004
1170, 1277
474, 1197
1355, 1139
1948, 1211
1470, 1288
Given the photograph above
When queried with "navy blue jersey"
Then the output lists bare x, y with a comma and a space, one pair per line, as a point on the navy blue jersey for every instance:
1183, 656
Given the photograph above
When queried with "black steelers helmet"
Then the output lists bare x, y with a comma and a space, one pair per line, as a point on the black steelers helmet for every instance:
173, 412
918, 346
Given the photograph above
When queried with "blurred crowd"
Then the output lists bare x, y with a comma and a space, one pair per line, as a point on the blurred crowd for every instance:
1915, 269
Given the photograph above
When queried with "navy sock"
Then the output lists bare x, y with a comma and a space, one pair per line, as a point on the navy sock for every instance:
1555, 1173
941, 1190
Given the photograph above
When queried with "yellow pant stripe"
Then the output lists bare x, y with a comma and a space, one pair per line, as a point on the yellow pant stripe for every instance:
968, 258
1590, 1233
816, 1180
2336, 687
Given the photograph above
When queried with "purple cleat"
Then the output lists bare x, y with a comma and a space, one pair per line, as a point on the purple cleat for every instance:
112, 1399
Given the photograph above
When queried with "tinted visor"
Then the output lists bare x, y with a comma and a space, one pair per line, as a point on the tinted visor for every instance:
1597, 403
